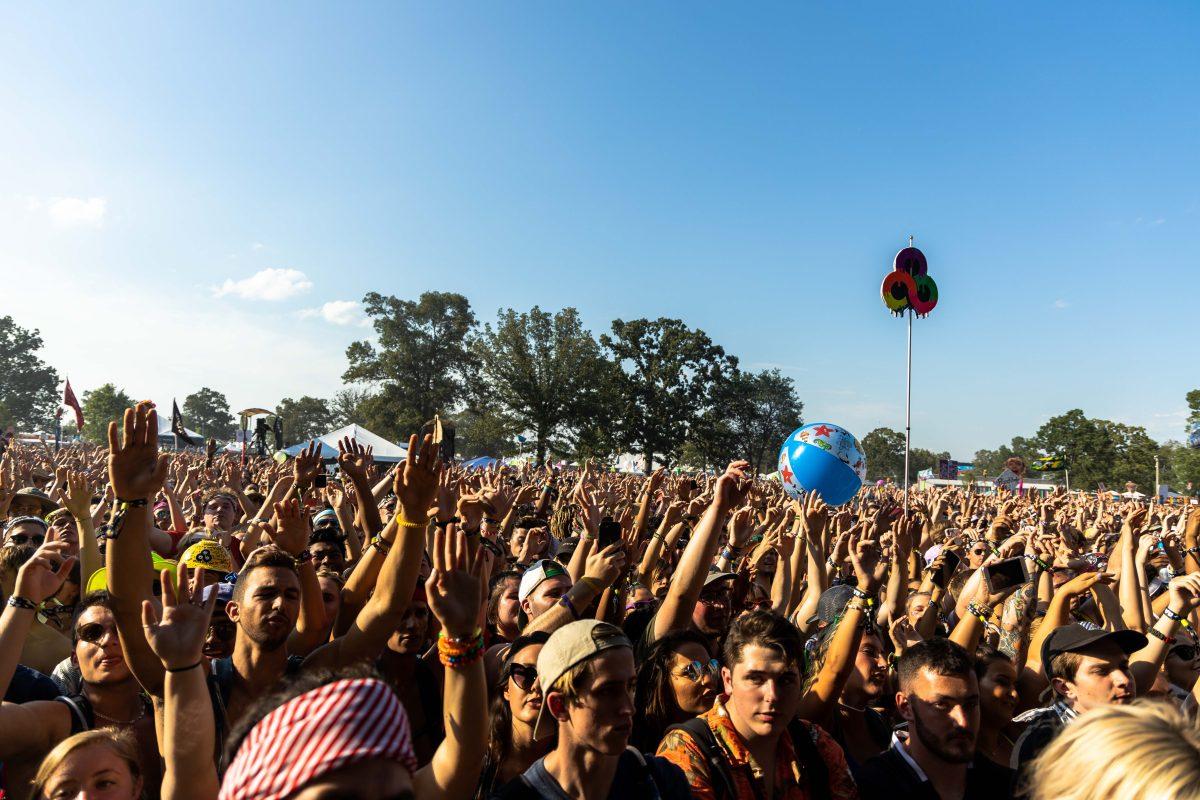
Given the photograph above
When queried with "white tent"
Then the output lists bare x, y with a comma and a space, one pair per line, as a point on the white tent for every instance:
164, 432
383, 450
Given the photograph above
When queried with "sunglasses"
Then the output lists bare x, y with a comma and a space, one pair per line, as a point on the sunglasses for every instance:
93, 632
25, 538
637, 604
523, 675
1187, 652
225, 631
721, 599
696, 670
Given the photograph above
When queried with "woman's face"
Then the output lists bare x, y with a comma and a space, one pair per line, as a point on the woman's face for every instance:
693, 683
869, 677
524, 703
769, 561
509, 606
94, 772
977, 553
331, 598
998, 692
1183, 662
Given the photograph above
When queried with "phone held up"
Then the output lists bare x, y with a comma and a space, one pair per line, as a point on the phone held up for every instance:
1006, 574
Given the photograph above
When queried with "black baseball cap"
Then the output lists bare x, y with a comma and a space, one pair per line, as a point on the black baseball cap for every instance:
832, 604
1073, 638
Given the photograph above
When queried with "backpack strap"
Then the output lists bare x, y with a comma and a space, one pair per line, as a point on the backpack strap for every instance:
816, 771
718, 768
81, 713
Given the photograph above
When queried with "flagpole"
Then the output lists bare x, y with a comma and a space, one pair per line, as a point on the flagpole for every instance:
908, 407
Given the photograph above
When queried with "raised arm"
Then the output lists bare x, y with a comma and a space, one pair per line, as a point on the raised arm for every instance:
688, 580
415, 487
79, 503
135, 471
455, 592
188, 728
37, 580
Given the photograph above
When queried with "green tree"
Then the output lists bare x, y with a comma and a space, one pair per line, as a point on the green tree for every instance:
749, 418
1088, 446
28, 387
1134, 455
420, 363
483, 433
303, 419
919, 458
103, 405
669, 374
884, 449
1193, 401
206, 411
345, 405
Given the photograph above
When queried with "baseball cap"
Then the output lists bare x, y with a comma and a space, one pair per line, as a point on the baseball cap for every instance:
713, 577
568, 646
224, 592
98, 580
1073, 638
210, 555
540, 571
831, 604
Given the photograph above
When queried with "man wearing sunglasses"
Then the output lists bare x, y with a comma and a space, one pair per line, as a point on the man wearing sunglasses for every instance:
110, 696
25, 531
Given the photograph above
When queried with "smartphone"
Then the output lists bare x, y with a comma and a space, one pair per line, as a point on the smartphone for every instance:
949, 565
1006, 574
321, 480
610, 532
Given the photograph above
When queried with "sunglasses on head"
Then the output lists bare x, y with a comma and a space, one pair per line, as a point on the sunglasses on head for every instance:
523, 675
696, 670
91, 633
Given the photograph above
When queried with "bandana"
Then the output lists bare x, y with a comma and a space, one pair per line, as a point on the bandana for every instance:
333, 726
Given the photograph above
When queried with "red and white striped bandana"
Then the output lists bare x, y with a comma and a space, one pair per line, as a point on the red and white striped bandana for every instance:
331, 727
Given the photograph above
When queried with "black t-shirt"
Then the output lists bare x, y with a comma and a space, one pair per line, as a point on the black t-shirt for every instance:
638, 777
28, 685
889, 776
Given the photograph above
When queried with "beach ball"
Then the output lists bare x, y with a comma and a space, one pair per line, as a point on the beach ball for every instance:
822, 458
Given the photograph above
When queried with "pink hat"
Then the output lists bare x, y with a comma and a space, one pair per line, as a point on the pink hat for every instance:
330, 727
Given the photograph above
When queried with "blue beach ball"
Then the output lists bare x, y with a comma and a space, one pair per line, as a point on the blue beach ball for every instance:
822, 458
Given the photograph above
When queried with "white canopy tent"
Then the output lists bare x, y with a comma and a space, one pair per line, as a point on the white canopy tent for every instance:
164, 432
382, 449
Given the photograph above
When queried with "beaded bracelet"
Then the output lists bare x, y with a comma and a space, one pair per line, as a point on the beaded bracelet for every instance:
976, 611
383, 545
403, 523
17, 601
1157, 634
460, 653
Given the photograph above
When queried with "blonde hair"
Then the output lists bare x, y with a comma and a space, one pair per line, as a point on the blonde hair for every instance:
1145, 750
120, 742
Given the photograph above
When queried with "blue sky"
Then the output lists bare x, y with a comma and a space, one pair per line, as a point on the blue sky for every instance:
200, 196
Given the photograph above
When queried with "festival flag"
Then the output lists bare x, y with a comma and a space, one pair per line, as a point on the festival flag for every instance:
1048, 463
177, 425
70, 400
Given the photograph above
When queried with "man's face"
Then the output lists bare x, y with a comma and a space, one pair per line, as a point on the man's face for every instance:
25, 506
414, 626
603, 720
943, 713
711, 612
65, 530
97, 649
977, 554
328, 555
545, 595
26, 533
764, 691
331, 598
1103, 678
218, 641
269, 607
219, 513
870, 675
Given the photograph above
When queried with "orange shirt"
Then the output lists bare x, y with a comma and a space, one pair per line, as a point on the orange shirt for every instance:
791, 781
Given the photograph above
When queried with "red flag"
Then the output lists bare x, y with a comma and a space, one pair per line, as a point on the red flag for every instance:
69, 399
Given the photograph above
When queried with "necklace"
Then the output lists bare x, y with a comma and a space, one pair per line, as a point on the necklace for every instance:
140, 713
852, 708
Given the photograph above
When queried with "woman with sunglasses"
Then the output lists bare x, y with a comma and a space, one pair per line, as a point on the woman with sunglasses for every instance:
511, 748
1182, 666
677, 681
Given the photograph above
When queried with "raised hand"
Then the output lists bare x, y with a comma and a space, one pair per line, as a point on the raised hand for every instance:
869, 564
1185, 591
135, 469
741, 527
733, 486
454, 588
606, 565
354, 459
307, 465
178, 637
78, 499
416, 480
40, 578
589, 510
291, 534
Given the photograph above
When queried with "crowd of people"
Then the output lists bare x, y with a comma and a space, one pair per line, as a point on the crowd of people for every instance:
195, 626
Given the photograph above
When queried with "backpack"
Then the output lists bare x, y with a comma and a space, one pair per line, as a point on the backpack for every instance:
812, 766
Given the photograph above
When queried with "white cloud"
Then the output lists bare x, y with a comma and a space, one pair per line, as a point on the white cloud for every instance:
338, 312
71, 212
1061, 304
257, 246
267, 284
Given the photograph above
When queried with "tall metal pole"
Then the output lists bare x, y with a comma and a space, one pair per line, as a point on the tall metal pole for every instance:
1157, 479
908, 408
1067, 472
